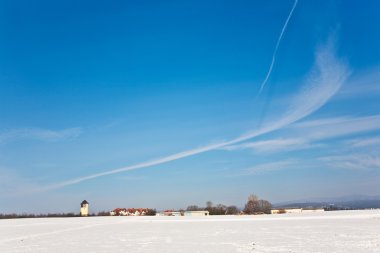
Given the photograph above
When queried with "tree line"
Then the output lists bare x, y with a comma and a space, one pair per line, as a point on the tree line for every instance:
254, 205
151, 212
49, 215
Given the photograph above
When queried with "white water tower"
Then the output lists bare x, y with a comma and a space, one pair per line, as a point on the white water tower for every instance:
84, 208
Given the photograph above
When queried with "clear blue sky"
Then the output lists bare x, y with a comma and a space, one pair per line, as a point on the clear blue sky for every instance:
94, 86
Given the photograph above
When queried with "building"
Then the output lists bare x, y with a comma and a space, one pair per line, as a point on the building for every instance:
183, 213
286, 210
84, 208
129, 212
169, 213
196, 213
312, 210
296, 210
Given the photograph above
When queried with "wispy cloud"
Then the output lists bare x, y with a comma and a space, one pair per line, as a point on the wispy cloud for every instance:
324, 80
12, 184
321, 122
276, 48
267, 167
331, 128
309, 134
364, 142
352, 161
274, 145
365, 83
132, 178
39, 134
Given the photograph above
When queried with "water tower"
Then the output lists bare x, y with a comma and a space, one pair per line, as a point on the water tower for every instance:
84, 208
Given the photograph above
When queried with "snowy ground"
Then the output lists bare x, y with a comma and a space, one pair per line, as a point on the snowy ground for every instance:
343, 231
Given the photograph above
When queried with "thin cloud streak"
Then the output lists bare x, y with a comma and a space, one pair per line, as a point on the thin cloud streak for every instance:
341, 128
12, 184
364, 142
365, 83
321, 122
325, 79
267, 167
317, 130
276, 48
39, 134
353, 162
273, 145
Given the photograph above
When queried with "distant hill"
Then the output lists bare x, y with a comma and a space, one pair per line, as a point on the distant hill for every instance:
353, 202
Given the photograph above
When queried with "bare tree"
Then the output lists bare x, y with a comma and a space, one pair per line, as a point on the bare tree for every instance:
251, 206
265, 206
253, 198
193, 208
220, 209
256, 205
232, 210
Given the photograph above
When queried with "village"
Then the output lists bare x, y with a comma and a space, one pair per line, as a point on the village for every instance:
254, 206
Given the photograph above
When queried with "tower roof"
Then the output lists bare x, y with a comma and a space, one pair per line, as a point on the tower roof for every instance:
84, 202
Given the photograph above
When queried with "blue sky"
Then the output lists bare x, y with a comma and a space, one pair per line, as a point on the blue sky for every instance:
158, 104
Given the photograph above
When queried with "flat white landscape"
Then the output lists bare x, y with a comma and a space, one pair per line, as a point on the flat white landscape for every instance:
340, 231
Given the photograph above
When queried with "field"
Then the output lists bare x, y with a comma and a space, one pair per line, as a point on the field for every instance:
341, 231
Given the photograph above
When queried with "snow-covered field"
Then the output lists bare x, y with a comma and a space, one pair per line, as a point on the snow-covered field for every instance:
343, 231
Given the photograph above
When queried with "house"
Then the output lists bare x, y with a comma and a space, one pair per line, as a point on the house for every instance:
129, 212
84, 208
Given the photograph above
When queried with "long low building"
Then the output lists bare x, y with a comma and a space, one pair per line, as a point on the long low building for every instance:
169, 213
185, 213
196, 213
296, 210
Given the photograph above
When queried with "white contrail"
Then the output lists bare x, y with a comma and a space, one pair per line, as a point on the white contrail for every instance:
276, 48
325, 79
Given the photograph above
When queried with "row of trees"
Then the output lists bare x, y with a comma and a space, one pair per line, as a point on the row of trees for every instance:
25, 215
219, 209
254, 205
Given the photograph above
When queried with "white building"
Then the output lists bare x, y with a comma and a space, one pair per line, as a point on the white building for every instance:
196, 213
169, 213
186, 213
296, 210
312, 210
84, 209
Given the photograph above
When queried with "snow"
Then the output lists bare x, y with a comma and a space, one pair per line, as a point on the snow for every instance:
340, 231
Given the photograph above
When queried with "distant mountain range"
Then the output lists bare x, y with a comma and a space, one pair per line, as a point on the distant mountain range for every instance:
338, 203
